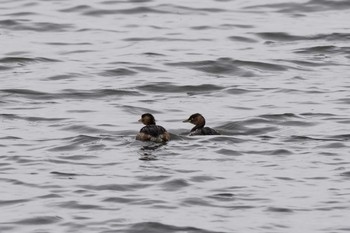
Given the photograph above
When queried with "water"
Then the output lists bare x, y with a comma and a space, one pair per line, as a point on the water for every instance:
271, 76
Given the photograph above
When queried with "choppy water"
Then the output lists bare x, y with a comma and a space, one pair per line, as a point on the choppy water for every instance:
271, 76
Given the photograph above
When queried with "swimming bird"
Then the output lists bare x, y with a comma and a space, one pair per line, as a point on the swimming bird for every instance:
199, 129
151, 131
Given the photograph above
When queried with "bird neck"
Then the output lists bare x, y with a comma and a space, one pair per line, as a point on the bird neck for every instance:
198, 126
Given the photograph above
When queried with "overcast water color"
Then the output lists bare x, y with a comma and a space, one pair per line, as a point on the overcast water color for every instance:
271, 76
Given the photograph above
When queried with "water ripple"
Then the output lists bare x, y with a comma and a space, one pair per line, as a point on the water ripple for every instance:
282, 36
159, 227
68, 93
39, 220
310, 6
229, 66
26, 25
271, 77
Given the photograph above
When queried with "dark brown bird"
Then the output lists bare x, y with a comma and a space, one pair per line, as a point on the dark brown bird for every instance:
151, 131
199, 121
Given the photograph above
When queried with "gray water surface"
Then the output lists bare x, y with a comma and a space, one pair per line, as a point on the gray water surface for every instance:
271, 76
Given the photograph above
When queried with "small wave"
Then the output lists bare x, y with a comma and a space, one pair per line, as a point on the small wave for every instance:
77, 52
8, 116
229, 26
39, 220
336, 36
136, 10
302, 65
335, 138
13, 202
272, 152
40, 119
138, 110
170, 88
11, 62
204, 27
10, 138
238, 91
85, 141
112, 2
152, 178
283, 116
220, 66
68, 43
279, 210
344, 100
327, 49
282, 36
77, 158
24, 60
285, 178
310, 6
69, 93
147, 69
129, 71
116, 187
22, 14
346, 174
263, 124
122, 200
77, 205
83, 129
24, 92
195, 201
223, 197
183, 9
162, 39
31, 118
226, 136
175, 184
242, 39
317, 114
229, 152
118, 72
5, 68
334, 145
237, 129
26, 25
202, 178
64, 76
287, 119
151, 54
226, 65
262, 65
63, 174
95, 93
342, 137
294, 138
157, 9
234, 128
157, 227
80, 8
317, 178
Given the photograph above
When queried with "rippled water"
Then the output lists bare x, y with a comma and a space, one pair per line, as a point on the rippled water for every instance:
271, 76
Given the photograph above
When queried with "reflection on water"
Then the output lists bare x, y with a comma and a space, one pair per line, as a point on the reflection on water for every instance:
270, 76
147, 152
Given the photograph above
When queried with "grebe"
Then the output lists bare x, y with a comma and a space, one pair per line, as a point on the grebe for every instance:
199, 129
151, 131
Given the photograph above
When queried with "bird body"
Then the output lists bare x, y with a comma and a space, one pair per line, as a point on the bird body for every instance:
151, 131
